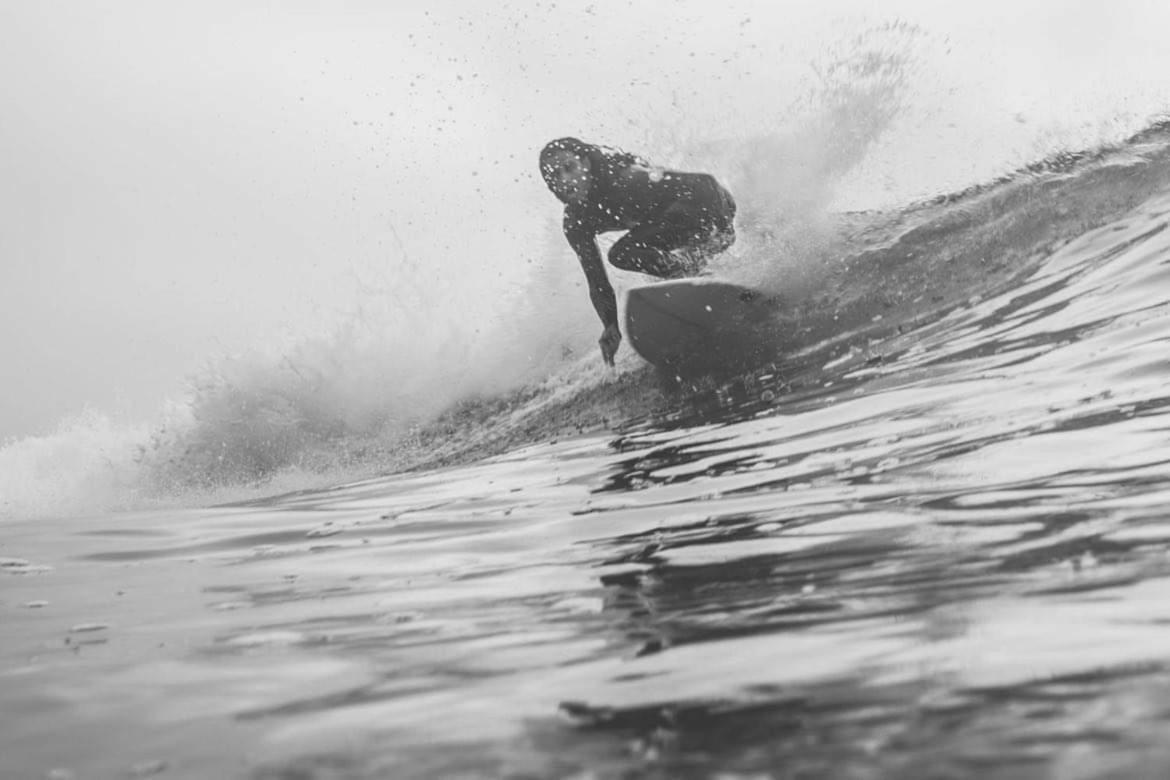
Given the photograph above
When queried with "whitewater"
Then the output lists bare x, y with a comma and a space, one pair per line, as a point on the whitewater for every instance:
398, 520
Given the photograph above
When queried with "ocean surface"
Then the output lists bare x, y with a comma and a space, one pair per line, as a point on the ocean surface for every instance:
930, 541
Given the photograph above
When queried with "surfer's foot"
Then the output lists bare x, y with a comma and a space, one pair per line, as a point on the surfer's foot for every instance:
688, 263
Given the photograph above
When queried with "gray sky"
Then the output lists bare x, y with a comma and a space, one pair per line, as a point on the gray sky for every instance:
183, 181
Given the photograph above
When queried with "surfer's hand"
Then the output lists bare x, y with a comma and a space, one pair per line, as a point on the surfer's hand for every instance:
609, 341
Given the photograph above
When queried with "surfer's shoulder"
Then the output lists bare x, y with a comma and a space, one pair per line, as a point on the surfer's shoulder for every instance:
642, 172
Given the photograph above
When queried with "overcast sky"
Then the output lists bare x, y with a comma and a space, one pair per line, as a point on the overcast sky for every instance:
184, 180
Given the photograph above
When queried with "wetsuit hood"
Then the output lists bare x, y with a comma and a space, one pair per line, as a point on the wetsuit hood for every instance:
574, 146
604, 162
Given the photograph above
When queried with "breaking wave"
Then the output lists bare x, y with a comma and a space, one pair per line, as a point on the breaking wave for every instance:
390, 385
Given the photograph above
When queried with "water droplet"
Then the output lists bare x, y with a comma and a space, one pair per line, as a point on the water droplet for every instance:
85, 628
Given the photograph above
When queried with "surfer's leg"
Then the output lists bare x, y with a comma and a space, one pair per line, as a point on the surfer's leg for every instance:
647, 251
654, 248
680, 243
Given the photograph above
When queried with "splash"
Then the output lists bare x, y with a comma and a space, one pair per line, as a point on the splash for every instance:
348, 398
315, 409
357, 396
785, 182
86, 465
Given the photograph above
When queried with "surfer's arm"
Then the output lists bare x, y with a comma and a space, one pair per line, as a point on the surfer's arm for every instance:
584, 243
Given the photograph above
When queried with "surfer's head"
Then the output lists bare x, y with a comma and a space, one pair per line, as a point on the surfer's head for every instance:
567, 169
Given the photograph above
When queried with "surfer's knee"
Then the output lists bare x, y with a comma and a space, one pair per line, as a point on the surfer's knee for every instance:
643, 259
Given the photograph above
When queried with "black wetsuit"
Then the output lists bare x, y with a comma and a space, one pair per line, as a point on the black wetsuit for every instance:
676, 220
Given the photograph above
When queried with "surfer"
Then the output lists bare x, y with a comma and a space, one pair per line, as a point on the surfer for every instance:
676, 220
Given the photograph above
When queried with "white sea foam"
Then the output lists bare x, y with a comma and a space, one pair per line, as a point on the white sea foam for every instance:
86, 465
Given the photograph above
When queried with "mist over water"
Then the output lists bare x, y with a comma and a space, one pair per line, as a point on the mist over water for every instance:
285, 263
